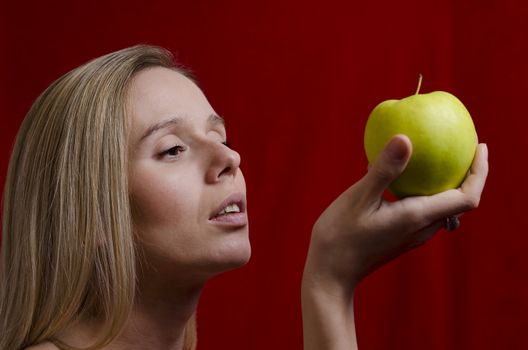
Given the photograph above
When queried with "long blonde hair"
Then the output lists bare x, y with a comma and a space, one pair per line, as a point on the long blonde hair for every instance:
68, 251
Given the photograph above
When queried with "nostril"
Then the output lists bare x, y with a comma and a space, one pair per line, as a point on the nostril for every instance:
226, 170
224, 163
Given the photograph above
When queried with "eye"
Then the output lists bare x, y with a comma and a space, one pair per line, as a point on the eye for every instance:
173, 151
227, 144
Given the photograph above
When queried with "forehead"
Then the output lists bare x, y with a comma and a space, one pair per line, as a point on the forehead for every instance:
158, 93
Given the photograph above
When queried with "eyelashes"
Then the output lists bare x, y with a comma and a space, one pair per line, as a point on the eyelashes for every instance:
176, 150
173, 151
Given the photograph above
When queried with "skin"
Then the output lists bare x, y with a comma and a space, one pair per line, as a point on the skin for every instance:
361, 231
356, 234
173, 196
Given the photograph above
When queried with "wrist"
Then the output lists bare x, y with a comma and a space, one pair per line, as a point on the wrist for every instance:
328, 315
313, 285
324, 274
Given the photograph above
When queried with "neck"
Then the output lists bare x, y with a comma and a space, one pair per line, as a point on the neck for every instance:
159, 316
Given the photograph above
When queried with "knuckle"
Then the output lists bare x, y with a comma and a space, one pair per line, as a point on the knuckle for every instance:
382, 172
485, 168
472, 202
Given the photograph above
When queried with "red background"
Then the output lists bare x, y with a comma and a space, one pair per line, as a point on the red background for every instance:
296, 81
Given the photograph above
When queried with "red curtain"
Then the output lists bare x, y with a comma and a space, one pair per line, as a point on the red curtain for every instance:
296, 81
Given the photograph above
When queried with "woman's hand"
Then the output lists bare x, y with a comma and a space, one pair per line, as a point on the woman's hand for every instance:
360, 231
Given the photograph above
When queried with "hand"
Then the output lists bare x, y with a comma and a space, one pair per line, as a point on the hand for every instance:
360, 231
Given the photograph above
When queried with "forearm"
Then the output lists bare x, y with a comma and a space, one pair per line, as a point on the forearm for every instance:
328, 317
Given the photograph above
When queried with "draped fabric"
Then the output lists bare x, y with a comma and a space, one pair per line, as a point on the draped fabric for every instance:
295, 81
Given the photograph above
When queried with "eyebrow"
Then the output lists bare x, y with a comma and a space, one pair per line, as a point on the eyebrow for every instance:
212, 119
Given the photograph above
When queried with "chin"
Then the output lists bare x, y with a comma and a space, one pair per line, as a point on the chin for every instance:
231, 254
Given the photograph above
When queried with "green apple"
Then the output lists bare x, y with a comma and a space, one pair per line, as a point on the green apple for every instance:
443, 137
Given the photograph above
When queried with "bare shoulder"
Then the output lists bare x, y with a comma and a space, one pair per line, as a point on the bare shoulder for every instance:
43, 346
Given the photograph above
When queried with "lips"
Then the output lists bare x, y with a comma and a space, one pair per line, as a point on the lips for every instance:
234, 198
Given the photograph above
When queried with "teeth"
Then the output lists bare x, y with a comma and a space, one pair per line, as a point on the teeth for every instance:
232, 208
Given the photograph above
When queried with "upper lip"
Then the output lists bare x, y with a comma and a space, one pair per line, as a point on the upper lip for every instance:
237, 198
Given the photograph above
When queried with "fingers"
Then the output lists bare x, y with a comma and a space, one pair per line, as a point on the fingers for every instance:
389, 164
424, 210
427, 233
474, 183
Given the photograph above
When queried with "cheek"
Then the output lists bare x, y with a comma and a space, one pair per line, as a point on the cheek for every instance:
161, 201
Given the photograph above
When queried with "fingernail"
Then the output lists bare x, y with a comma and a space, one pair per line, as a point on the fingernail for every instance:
486, 150
397, 149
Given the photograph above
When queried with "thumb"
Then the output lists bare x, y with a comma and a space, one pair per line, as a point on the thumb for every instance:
389, 164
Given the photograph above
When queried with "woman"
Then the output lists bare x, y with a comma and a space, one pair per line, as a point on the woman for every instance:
123, 199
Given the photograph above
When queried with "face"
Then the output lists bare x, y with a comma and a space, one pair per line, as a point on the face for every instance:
181, 174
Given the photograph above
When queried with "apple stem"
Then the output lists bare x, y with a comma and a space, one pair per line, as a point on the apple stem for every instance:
419, 84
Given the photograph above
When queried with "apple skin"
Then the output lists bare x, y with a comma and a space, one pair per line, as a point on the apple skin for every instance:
442, 134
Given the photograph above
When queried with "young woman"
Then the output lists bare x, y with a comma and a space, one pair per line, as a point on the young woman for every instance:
123, 199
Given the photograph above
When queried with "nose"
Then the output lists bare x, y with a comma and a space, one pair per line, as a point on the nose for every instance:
224, 163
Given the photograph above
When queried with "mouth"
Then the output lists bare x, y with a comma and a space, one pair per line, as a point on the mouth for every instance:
232, 211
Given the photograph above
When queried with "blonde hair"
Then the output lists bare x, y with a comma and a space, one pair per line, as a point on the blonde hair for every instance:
68, 251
